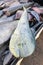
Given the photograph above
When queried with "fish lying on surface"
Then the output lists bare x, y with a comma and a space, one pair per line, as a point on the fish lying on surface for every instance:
22, 43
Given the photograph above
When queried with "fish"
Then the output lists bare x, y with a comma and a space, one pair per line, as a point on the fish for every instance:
22, 42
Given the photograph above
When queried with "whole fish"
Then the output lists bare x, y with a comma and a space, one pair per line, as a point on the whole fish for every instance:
22, 43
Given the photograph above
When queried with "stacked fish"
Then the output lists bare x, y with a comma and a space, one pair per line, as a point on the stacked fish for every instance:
16, 28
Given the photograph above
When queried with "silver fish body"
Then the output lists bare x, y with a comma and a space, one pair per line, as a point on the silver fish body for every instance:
22, 43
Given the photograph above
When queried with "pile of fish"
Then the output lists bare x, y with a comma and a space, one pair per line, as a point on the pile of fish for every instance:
10, 14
